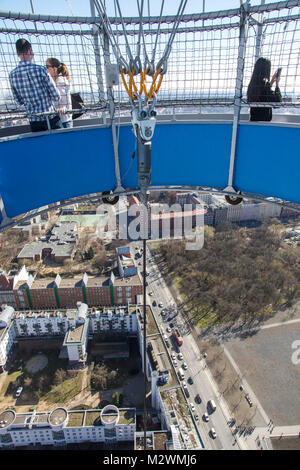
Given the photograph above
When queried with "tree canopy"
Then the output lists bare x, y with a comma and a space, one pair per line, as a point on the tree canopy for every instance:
238, 272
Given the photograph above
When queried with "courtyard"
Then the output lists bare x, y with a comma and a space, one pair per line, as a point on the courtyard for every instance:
47, 383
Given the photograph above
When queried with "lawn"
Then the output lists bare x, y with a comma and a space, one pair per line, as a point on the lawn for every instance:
12, 378
65, 391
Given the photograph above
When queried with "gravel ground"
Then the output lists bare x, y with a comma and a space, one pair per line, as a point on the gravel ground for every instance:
36, 363
287, 443
265, 360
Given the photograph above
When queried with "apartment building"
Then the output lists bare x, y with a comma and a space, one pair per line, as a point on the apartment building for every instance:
23, 291
7, 337
110, 424
217, 211
6, 290
61, 427
125, 262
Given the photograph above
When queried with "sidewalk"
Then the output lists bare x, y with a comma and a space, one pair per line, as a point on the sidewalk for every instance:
261, 435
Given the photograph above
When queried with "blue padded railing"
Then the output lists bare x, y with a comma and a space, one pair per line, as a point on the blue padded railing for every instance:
39, 170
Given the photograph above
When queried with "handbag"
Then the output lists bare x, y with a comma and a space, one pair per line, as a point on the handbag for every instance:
77, 103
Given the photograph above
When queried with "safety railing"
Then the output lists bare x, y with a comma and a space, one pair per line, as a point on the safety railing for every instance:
210, 56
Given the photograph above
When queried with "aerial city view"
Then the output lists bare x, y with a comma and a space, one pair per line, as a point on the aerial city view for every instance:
149, 228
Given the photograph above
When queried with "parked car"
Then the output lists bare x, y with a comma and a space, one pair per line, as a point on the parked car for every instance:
19, 391
184, 366
173, 356
161, 305
169, 329
213, 433
192, 406
196, 417
205, 417
185, 387
154, 303
180, 356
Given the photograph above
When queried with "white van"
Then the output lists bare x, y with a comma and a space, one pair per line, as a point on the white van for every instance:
181, 373
212, 405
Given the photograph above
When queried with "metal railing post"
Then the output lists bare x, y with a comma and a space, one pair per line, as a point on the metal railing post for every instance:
238, 89
99, 73
112, 113
259, 34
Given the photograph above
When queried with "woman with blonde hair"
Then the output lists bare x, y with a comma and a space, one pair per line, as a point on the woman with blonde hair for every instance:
60, 74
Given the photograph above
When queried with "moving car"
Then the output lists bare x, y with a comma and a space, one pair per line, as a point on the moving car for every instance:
197, 398
211, 405
192, 406
154, 303
196, 417
184, 366
161, 305
205, 417
169, 329
190, 380
213, 433
19, 391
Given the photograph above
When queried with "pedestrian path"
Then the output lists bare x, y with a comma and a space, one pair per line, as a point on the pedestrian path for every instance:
260, 438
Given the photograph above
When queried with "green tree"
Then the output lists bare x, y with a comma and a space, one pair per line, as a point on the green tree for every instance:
117, 399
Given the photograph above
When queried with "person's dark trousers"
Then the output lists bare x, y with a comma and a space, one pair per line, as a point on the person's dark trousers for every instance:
38, 126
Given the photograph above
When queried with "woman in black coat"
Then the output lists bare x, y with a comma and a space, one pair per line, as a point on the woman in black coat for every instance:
260, 90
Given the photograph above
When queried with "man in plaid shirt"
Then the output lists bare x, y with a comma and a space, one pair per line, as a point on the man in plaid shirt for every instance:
34, 88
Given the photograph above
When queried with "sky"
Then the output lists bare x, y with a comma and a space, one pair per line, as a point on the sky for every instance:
128, 7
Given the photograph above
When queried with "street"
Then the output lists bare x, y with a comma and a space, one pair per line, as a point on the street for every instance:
168, 318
